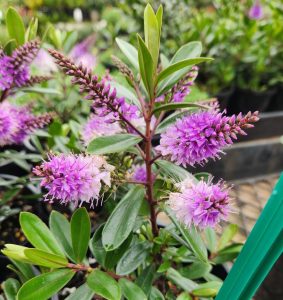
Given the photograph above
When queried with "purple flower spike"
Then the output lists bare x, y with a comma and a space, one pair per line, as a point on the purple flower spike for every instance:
202, 204
256, 11
73, 178
200, 136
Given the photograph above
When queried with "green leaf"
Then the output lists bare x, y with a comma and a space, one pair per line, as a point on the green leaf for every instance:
171, 119
174, 171
227, 236
190, 50
113, 143
11, 287
9, 195
81, 293
174, 106
45, 285
104, 285
15, 26
15, 252
61, 229
196, 270
39, 234
132, 258
228, 253
184, 296
25, 269
164, 266
107, 259
45, 259
122, 220
130, 52
10, 46
179, 66
131, 291
159, 15
146, 66
211, 239
152, 33
183, 282
155, 294
80, 233
208, 289
191, 236
41, 90
145, 279
31, 30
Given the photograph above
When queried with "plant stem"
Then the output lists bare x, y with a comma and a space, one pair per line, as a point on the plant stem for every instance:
4, 95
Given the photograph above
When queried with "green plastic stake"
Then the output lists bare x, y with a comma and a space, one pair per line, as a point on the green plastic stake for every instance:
261, 250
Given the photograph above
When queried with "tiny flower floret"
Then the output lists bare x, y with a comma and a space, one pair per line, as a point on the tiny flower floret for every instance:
201, 204
200, 136
73, 178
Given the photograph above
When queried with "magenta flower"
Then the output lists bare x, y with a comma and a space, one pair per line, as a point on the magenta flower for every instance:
17, 122
139, 174
75, 179
100, 126
200, 136
6, 71
256, 11
202, 204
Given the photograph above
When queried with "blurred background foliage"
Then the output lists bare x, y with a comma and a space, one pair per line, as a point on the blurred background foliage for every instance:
247, 52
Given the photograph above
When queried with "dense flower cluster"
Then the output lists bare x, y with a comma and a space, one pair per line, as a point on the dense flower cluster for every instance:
202, 204
14, 70
139, 173
74, 178
16, 123
202, 135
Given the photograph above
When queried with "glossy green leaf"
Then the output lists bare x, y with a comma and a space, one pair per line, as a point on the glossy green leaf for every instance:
45, 259
177, 173
208, 289
39, 234
15, 252
179, 66
80, 233
164, 266
61, 229
15, 26
31, 30
183, 282
196, 270
25, 269
171, 119
152, 33
190, 50
227, 236
155, 294
211, 239
82, 293
11, 287
113, 143
122, 220
131, 291
145, 279
104, 285
191, 236
44, 286
174, 106
184, 296
132, 258
146, 67
10, 46
107, 259
130, 52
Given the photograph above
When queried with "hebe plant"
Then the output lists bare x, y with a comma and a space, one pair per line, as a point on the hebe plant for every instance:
128, 255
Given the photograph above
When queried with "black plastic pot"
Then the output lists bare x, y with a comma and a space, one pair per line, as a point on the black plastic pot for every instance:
248, 100
276, 102
224, 97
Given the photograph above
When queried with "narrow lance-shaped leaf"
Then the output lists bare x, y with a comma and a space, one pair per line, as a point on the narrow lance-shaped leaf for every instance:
122, 220
11, 287
130, 52
131, 291
113, 143
80, 233
15, 26
104, 285
84, 292
44, 286
39, 234
174, 106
